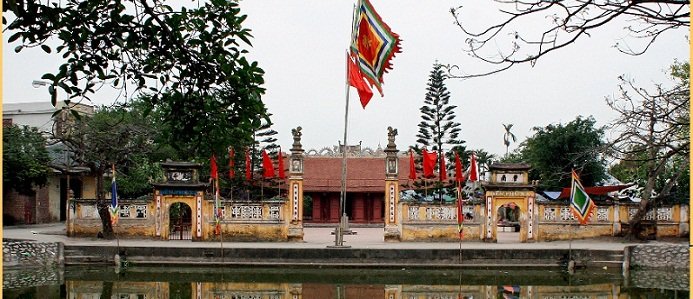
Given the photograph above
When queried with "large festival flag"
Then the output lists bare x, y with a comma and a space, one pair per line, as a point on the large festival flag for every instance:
280, 162
473, 171
267, 166
114, 208
248, 166
412, 166
442, 168
232, 172
581, 204
429, 162
356, 80
459, 176
373, 43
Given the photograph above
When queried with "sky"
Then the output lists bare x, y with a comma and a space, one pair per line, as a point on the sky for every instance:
301, 45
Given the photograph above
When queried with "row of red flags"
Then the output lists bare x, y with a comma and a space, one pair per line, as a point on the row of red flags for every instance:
429, 162
267, 166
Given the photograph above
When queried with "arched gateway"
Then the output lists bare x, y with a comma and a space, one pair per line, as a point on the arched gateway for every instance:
510, 202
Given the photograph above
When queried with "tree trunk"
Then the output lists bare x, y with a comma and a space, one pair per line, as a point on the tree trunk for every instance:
102, 206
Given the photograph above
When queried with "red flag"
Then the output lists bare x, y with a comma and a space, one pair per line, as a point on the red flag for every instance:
267, 165
213, 172
356, 80
282, 175
248, 166
412, 166
459, 177
443, 170
429, 162
473, 172
231, 163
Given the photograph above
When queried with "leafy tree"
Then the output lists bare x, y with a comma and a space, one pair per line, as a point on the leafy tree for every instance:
438, 128
112, 136
509, 42
25, 159
508, 137
554, 150
189, 60
654, 140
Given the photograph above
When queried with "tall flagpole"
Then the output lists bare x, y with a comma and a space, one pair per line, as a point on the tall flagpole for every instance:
339, 240
339, 234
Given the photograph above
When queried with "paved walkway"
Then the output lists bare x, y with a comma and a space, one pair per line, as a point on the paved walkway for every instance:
315, 237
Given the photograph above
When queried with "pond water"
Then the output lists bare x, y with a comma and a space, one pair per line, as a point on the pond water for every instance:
301, 283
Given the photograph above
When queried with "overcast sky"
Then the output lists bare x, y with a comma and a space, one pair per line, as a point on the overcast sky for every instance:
301, 46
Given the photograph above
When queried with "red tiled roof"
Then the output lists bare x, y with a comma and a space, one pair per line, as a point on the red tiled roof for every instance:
364, 174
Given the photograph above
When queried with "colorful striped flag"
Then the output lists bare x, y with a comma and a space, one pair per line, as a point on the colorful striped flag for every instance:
374, 43
580, 202
114, 208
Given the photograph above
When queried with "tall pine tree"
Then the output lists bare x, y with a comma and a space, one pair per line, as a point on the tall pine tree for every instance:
438, 128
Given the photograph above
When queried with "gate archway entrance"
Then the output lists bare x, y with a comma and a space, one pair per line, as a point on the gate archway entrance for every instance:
509, 204
508, 224
180, 221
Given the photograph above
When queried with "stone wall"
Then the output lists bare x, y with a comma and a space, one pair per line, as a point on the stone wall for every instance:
28, 254
20, 278
667, 256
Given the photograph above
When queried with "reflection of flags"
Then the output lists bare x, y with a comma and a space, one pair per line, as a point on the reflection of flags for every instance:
114, 209
267, 166
429, 162
232, 173
248, 166
282, 174
356, 80
473, 171
443, 170
412, 166
373, 43
581, 204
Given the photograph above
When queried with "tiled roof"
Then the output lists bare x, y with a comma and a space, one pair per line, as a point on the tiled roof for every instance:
364, 174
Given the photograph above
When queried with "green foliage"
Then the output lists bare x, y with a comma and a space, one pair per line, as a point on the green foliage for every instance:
437, 127
189, 61
437, 130
135, 178
25, 158
554, 150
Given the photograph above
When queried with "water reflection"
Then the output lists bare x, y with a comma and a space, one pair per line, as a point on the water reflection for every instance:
282, 283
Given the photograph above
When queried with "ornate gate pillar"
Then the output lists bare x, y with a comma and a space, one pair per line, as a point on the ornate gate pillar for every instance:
392, 230
295, 190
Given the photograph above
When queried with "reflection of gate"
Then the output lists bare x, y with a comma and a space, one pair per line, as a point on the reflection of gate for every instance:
180, 222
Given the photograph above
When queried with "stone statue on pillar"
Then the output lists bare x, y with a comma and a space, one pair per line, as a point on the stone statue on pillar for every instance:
392, 230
